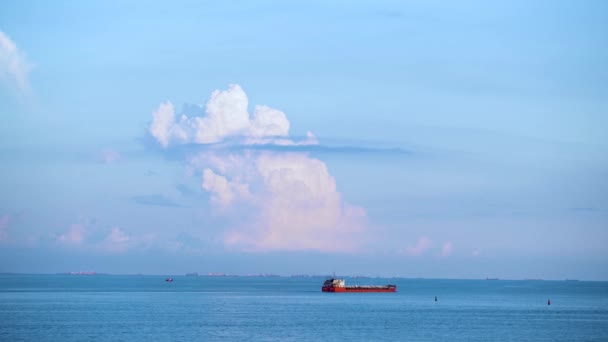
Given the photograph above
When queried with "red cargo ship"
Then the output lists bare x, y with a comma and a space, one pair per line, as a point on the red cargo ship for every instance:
338, 285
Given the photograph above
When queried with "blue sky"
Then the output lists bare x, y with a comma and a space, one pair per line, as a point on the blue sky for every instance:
417, 138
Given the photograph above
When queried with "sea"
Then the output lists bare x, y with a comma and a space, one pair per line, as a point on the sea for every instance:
204, 308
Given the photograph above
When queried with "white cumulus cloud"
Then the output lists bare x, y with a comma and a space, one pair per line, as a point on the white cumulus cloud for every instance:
298, 208
14, 67
226, 116
274, 200
288, 201
224, 192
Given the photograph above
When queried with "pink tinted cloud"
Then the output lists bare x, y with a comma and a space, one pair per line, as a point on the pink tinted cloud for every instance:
116, 242
294, 206
421, 246
446, 249
74, 236
109, 156
14, 67
273, 200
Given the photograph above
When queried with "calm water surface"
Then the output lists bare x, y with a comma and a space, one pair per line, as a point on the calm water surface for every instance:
146, 308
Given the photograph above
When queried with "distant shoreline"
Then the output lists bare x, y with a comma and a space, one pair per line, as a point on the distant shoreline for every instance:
292, 276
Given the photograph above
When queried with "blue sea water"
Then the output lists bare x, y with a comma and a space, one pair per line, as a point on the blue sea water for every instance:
146, 308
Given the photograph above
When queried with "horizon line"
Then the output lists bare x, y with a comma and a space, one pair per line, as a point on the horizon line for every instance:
272, 275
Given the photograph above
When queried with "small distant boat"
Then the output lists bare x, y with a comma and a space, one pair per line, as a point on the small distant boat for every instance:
169, 280
491, 278
339, 285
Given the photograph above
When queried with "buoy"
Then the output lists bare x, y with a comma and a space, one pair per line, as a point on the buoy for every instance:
435, 298
548, 301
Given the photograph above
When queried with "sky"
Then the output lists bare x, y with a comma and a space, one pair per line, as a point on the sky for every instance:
384, 138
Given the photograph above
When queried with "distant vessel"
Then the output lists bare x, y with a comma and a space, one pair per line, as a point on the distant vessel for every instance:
338, 285
169, 280
491, 278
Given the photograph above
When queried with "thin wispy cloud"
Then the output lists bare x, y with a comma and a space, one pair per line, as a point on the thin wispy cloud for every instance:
96, 239
421, 246
117, 241
14, 67
75, 235
109, 156
236, 145
185, 190
446, 249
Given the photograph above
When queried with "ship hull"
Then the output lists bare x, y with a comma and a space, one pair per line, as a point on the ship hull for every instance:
358, 289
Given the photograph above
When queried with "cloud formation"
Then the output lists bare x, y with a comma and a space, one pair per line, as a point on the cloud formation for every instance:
420, 247
276, 200
117, 241
109, 156
295, 205
75, 235
223, 191
14, 67
446, 249
80, 235
226, 116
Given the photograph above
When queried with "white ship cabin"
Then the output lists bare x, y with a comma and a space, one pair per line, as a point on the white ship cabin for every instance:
334, 282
